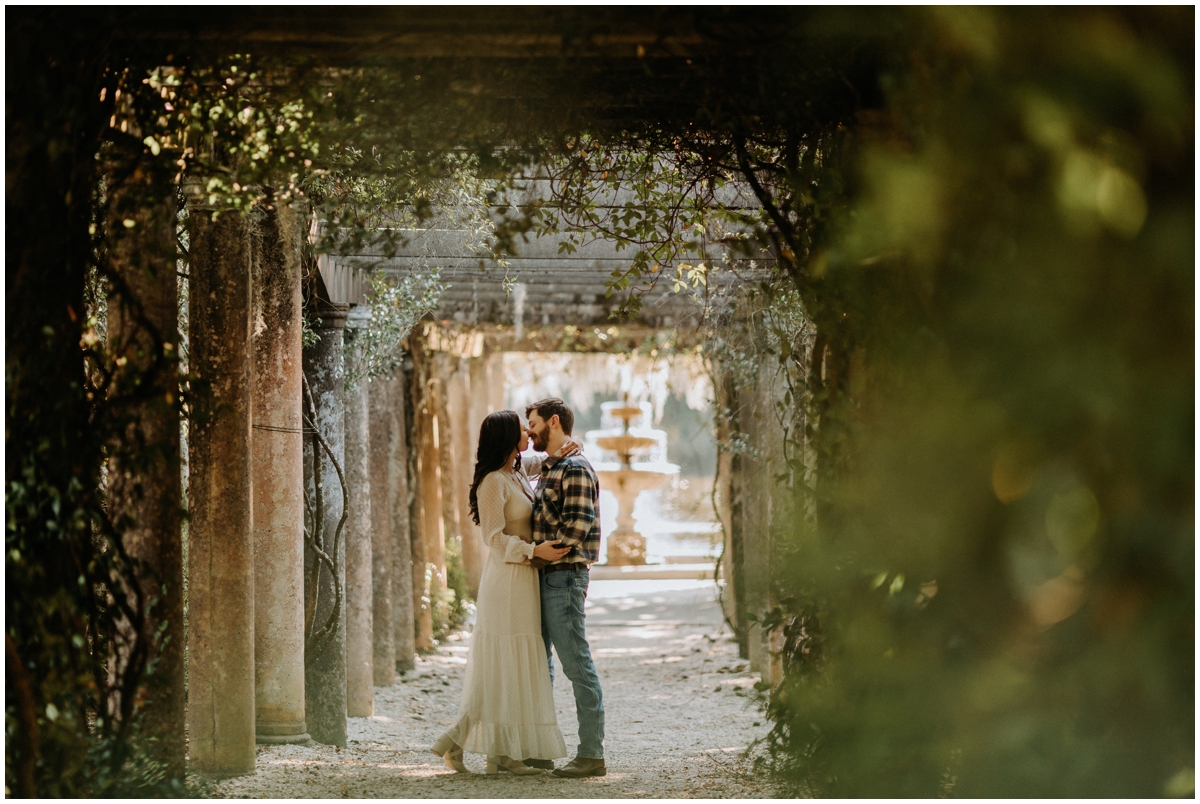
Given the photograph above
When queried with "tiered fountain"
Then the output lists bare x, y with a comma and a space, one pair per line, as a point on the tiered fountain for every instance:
626, 480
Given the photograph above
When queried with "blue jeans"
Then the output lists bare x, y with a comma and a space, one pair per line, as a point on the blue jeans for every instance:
563, 594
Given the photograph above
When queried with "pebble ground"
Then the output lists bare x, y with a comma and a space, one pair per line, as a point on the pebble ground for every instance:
679, 717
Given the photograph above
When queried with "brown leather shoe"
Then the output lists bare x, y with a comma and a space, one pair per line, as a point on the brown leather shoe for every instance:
580, 767
544, 764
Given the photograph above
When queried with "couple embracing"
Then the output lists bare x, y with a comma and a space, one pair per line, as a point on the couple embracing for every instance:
531, 596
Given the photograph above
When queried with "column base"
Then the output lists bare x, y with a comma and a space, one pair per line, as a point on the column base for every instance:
282, 734
293, 739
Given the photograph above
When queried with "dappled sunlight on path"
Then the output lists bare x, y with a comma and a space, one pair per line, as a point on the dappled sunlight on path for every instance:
678, 716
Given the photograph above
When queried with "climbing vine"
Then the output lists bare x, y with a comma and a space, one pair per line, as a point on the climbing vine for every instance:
327, 549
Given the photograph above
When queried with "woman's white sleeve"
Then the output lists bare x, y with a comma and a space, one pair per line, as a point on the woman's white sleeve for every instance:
491, 497
531, 465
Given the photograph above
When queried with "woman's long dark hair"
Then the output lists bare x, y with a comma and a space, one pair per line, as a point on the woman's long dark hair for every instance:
499, 435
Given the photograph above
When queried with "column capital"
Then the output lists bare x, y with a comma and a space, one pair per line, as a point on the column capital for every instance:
331, 314
193, 193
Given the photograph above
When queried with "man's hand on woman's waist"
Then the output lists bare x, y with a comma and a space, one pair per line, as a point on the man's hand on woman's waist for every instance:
550, 551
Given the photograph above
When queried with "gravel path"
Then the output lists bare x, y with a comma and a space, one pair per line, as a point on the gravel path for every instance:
677, 716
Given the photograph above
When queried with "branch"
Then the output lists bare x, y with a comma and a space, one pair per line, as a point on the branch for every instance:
778, 218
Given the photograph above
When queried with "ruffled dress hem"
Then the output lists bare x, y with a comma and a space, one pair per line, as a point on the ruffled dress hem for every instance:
519, 741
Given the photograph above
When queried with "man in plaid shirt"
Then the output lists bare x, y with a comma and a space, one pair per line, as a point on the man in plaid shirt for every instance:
567, 510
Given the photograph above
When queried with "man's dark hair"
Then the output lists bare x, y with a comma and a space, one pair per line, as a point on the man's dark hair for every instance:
553, 406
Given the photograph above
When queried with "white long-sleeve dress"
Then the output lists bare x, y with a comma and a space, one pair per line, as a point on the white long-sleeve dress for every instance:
507, 703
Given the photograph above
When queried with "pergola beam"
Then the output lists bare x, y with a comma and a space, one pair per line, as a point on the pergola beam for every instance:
498, 32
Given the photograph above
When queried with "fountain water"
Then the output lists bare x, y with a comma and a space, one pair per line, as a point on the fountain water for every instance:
625, 479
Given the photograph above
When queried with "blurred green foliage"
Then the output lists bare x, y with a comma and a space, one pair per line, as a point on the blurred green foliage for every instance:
450, 605
1007, 591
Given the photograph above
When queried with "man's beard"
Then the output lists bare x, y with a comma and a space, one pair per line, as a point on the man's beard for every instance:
541, 441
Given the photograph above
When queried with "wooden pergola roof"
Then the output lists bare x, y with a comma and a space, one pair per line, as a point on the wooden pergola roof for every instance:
540, 287
543, 285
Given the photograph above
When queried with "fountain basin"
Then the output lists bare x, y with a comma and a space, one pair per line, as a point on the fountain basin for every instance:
626, 546
625, 444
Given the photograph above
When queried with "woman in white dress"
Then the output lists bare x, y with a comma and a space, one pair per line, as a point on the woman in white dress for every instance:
507, 709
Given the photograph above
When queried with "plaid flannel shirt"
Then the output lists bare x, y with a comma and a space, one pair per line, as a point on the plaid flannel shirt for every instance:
567, 508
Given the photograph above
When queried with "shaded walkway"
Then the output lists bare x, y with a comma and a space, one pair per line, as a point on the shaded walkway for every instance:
677, 714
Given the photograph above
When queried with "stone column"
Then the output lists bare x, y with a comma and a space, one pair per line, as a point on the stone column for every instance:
383, 640
398, 495
144, 481
220, 548
478, 407
431, 485
324, 590
277, 455
496, 385
724, 500
757, 492
422, 613
420, 511
458, 395
360, 673
737, 575
448, 465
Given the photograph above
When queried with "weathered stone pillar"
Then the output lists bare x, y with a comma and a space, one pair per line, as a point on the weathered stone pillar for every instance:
478, 407
277, 454
360, 604
383, 660
402, 556
448, 463
724, 499
324, 589
731, 483
144, 481
498, 384
421, 512
431, 485
756, 487
458, 396
422, 612
220, 548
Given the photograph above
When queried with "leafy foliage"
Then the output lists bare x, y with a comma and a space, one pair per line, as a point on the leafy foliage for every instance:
674, 216
1005, 592
395, 310
451, 605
